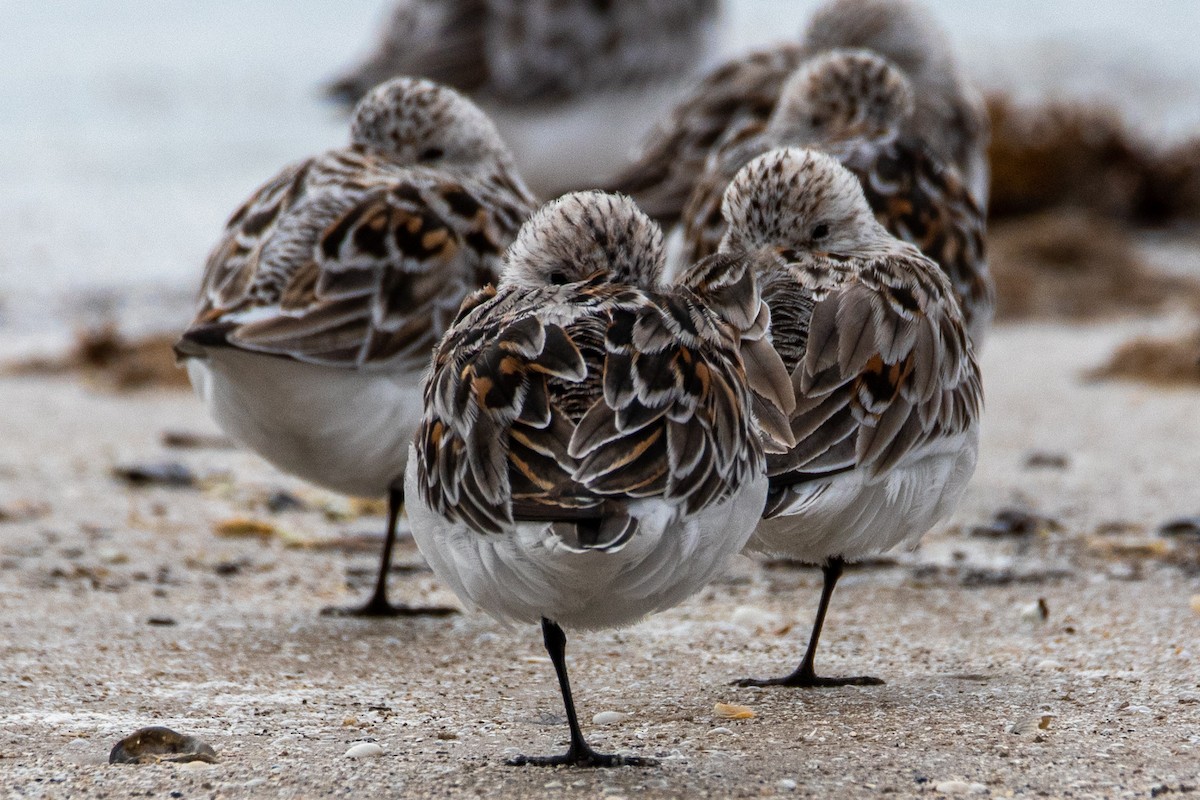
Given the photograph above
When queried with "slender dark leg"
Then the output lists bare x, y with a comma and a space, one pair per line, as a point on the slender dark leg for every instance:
806, 674
579, 754
378, 605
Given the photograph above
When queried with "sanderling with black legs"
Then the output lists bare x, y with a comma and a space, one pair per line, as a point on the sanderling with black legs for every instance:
886, 387
588, 453
322, 302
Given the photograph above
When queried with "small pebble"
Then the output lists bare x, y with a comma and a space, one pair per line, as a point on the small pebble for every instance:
608, 718
187, 440
237, 527
1187, 526
1040, 721
786, 785
1044, 460
952, 787
111, 555
280, 501
23, 511
720, 731
364, 750
1047, 665
171, 473
1016, 522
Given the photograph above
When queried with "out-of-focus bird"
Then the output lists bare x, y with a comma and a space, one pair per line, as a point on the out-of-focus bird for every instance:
856, 105
948, 112
573, 85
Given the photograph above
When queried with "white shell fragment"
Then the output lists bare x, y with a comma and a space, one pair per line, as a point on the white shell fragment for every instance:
364, 750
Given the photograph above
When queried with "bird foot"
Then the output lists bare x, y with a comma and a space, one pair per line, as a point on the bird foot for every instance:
379, 607
584, 758
809, 681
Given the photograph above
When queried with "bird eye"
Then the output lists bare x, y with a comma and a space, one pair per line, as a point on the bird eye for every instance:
820, 232
558, 278
432, 154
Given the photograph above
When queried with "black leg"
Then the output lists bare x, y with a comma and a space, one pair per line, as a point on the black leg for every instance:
806, 674
579, 754
378, 605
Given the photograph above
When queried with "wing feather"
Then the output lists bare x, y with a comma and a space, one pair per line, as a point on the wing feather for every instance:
886, 368
348, 260
668, 419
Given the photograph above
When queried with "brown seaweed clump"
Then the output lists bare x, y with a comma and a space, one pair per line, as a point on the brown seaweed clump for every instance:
1077, 266
107, 357
1161, 362
1062, 155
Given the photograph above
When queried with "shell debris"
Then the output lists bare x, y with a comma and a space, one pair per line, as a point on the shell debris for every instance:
364, 750
237, 527
732, 711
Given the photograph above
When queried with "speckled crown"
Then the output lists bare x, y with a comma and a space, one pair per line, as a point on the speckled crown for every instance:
782, 198
417, 120
844, 93
578, 235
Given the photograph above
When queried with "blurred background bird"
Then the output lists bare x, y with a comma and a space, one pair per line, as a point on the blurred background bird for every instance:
573, 85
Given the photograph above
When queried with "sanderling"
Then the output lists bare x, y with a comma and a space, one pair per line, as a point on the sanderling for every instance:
322, 302
572, 85
949, 115
587, 454
887, 389
856, 105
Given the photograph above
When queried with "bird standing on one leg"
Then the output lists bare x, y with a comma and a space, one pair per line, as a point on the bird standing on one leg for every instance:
322, 302
887, 391
588, 454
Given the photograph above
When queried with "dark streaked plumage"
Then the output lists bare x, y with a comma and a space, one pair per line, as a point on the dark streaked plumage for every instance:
887, 389
949, 115
323, 300
854, 105
588, 454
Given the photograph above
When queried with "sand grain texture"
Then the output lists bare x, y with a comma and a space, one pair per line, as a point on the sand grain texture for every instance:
1099, 698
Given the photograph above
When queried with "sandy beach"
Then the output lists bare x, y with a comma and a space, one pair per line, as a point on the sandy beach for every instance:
123, 607
1043, 642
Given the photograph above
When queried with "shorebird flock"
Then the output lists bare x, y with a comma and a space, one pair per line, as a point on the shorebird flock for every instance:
758, 335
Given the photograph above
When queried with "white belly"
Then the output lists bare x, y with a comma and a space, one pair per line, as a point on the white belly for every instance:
343, 429
850, 517
525, 574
